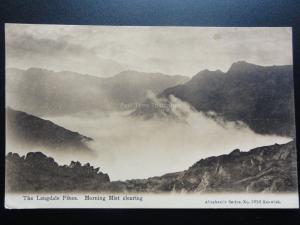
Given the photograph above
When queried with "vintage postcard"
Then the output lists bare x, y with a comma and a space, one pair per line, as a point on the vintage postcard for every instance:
149, 117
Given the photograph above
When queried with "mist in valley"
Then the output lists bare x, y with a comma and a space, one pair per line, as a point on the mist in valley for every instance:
128, 147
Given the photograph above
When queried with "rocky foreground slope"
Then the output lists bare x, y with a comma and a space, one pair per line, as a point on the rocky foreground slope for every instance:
264, 169
37, 172
269, 169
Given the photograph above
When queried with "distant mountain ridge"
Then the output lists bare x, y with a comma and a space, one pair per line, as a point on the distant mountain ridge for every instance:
264, 169
33, 131
260, 96
44, 92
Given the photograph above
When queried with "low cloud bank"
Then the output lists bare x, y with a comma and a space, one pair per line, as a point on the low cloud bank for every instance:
129, 147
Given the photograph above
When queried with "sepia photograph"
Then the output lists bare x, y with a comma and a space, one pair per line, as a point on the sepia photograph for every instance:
149, 117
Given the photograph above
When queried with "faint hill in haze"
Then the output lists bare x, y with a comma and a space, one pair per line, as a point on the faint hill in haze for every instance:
44, 92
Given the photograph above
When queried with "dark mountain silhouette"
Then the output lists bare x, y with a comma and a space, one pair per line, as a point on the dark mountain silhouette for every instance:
42, 92
262, 97
264, 169
33, 131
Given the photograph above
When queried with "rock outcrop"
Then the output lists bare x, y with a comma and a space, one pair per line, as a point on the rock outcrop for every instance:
36, 172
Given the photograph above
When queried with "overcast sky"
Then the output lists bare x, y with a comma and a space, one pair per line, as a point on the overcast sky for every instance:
107, 50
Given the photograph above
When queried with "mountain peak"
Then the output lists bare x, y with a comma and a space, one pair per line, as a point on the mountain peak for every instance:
242, 66
205, 73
